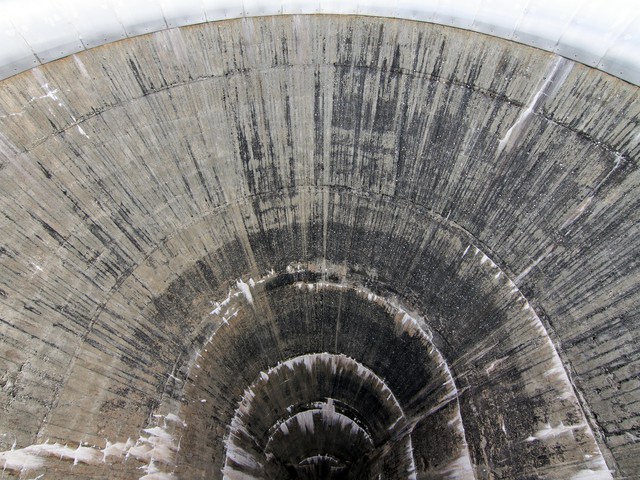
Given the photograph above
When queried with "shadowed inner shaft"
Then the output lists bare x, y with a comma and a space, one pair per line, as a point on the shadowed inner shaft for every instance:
316, 416
358, 379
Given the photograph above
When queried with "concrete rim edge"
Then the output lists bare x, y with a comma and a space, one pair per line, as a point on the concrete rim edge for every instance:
598, 33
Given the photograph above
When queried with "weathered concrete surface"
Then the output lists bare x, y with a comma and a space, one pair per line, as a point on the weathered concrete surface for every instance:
488, 188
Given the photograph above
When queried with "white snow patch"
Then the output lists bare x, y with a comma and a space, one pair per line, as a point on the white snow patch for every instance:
459, 468
588, 474
32, 457
494, 364
305, 420
82, 132
550, 432
159, 432
242, 458
158, 446
87, 455
221, 305
246, 291
118, 449
37, 267
51, 94
553, 371
20, 460
159, 476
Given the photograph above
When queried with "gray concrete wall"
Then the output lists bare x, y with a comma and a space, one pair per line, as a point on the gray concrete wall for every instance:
488, 186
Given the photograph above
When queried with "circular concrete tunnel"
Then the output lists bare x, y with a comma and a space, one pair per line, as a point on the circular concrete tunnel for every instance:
319, 246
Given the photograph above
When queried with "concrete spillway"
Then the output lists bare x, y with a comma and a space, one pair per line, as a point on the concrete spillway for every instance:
319, 247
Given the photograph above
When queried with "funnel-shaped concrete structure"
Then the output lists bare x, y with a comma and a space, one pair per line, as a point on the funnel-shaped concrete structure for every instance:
319, 246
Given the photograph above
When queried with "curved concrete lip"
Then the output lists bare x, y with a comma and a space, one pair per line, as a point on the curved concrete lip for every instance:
601, 34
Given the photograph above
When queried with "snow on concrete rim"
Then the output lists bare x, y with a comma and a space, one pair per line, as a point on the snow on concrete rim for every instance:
603, 34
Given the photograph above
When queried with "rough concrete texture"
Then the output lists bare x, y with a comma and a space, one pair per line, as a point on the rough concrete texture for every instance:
319, 246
